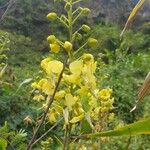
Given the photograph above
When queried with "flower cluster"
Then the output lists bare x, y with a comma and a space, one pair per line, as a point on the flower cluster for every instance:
78, 98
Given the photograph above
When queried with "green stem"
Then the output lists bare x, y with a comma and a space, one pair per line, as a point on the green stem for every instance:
78, 16
78, 50
65, 147
70, 20
62, 22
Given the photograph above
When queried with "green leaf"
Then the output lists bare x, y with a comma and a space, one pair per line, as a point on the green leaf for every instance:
85, 127
137, 128
85, 103
3, 144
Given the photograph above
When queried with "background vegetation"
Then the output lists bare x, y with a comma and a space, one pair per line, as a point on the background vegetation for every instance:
123, 65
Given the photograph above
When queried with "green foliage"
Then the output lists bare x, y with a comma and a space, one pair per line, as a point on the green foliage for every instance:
4, 45
122, 65
126, 63
125, 76
14, 104
11, 139
133, 41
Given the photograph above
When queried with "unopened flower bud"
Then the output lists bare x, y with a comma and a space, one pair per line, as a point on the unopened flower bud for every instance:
51, 39
92, 42
67, 6
67, 46
85, 28
86, 11
87, 57
78, 36
55, 47
52, 16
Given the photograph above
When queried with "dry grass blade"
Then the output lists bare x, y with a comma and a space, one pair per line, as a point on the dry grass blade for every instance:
145, 88
132, 15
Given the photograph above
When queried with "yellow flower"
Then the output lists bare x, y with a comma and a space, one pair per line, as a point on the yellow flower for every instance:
67, 46
59, 95
76, 67
83, 90
57, 108
54, 67
70, 101
105, 94
46, 87
73, 78
55, 47
76, 119
77, 109
38, 97
35, 86
45, 62
52, 115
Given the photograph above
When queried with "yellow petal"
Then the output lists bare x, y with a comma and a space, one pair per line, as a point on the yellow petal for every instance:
35, 86
55, 67
46, 87
77, 119
69, 101
105, 94
60, 95
45, 62
76, 67
38, 97
73, 78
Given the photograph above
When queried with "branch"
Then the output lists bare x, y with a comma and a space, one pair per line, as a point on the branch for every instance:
29, 147
43, 135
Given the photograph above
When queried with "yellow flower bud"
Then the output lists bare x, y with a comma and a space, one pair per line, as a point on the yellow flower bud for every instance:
67, 46
52, 16
67, 6
92, 42
85, 28
51, 39
55, 47
87, 57
86, 11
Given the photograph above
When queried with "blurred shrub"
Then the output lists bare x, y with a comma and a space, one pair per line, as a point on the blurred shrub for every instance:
133, 41
125, 76
23, 57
